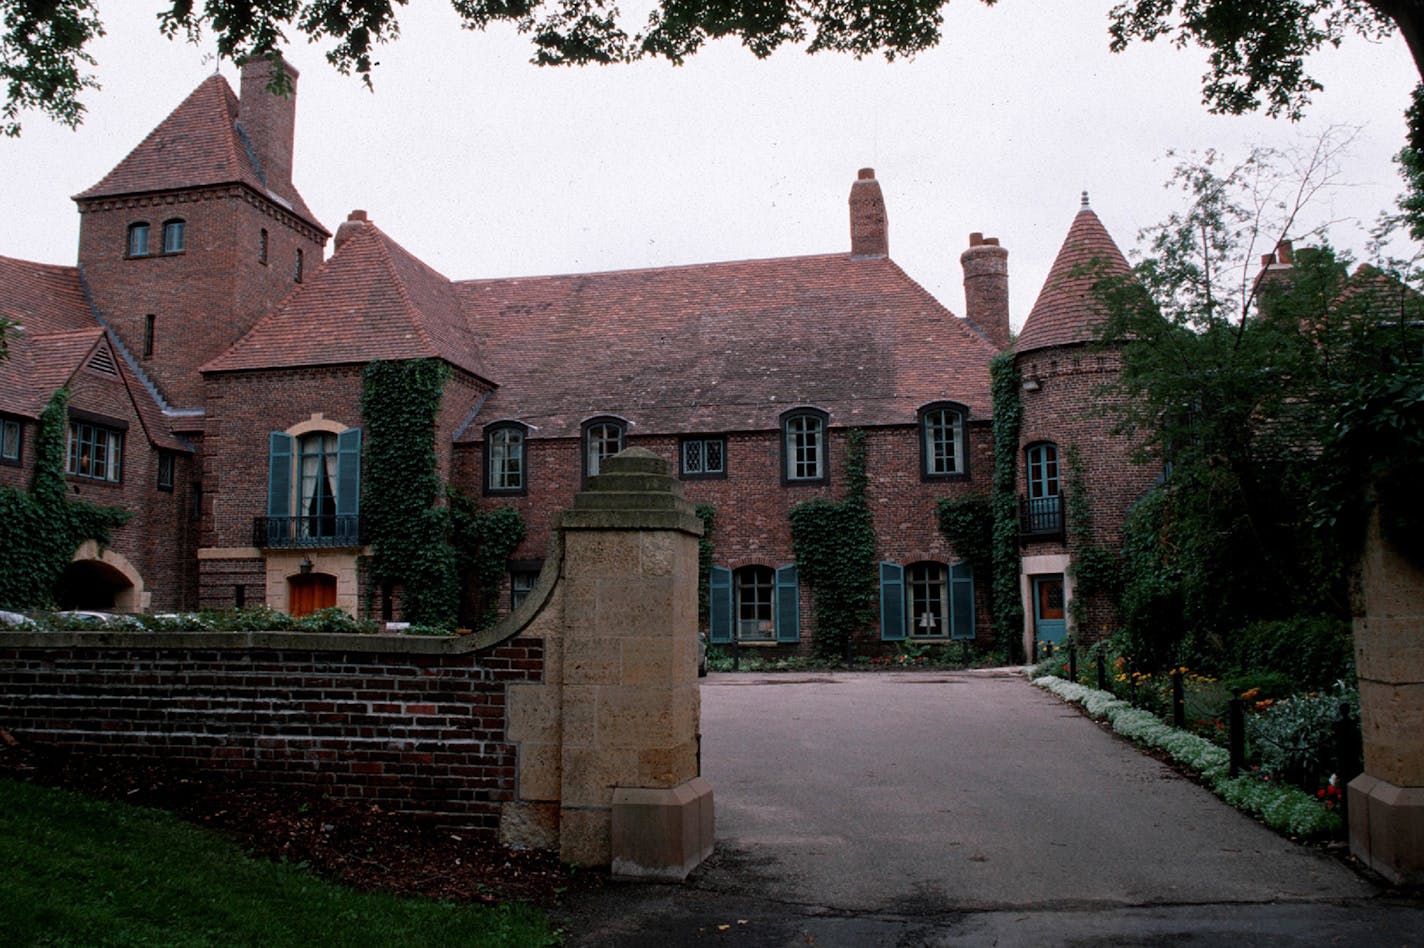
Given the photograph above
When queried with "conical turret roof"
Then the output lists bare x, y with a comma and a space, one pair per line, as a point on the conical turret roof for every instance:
1066, 311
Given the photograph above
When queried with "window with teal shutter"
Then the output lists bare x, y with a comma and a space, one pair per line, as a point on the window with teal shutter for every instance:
719, 605
961, 601
348, 472
892, 602
279, 475
788, 605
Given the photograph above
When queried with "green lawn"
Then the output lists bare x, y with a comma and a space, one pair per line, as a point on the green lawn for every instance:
74, 871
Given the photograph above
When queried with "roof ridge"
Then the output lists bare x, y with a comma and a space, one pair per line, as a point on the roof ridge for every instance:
660, 269
415, 313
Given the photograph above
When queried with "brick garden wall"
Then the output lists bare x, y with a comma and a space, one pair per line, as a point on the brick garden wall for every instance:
408, 725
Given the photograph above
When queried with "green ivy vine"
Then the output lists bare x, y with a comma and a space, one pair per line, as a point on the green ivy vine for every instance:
40, 528
1093, 568
967, 525
708, 515
834, 544
433, 548
1008, 419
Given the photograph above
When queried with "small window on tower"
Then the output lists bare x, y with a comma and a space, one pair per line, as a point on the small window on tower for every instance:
148, 326
138, 239
297, 270
262, 247
173, 236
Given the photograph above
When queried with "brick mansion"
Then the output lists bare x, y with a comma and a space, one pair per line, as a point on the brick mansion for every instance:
213, 335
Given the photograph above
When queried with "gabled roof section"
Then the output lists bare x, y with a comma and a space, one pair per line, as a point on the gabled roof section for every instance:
57, 332
1066, 311
722, 347
197, 145
371, 300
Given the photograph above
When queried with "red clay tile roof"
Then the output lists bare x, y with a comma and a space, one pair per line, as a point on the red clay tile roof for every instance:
197, 145
1066, 312
371, 300
59, 335
722, 347
58, 332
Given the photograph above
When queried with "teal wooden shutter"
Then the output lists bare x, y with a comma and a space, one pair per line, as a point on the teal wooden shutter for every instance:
348, 472
279, 475
961, 601
892, 602
788, 605
719, 605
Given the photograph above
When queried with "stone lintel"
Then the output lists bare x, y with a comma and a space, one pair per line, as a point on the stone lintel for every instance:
1387, 828
662, 834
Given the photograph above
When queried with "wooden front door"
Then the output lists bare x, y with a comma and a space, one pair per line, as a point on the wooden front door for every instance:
311, 591
1049, 622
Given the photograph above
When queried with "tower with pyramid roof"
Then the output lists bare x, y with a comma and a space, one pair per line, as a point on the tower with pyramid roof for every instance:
198, 232
1064, 369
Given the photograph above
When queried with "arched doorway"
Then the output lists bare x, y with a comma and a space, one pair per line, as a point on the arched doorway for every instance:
91, 584
308, 592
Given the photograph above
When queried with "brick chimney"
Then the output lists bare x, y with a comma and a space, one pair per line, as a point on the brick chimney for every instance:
349, 228
269, 121
986, 287
869, 229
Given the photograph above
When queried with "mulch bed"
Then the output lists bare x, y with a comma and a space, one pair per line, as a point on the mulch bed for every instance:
357, 845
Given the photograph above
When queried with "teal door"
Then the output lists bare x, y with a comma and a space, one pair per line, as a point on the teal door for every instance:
1049, 623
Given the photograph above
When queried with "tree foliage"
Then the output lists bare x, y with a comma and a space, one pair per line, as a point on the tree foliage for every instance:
1257, 50
1271, 403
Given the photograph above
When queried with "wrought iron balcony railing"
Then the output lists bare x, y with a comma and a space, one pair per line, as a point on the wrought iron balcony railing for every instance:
291, 532
1040, 518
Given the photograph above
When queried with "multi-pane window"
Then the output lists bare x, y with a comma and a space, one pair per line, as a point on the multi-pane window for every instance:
173, 236
316, 483
504, 467
927, 599
1042, 471
10, 440
942, 441
755, 616
165, 471
95, 452
138, 239
704, 457
804, 447
602, 439
313, 490
521, 584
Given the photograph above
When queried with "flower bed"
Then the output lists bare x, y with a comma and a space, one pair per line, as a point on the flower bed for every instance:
1285, 809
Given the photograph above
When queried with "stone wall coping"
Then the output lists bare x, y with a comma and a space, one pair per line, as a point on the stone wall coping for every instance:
380, 642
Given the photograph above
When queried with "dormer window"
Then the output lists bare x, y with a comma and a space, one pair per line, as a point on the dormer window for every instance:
138, 239
504, 459
173, 241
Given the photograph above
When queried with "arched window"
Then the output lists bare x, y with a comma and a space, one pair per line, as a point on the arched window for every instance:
602, 438
174, 240
942, 442
137, 245
1041, 512
504, 459
926, 600
754, 604
803, 446
313, 490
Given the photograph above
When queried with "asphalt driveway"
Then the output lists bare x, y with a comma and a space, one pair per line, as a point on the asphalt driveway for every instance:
970, 808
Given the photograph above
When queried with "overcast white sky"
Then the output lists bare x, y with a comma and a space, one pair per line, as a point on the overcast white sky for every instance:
485, 166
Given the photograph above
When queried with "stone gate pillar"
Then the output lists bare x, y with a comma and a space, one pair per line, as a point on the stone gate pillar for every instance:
631, 796
1386, 802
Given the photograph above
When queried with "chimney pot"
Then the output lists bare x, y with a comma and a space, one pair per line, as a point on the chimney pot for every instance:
991, 241
866, 174
1284, 252
975, 239
1267, 259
